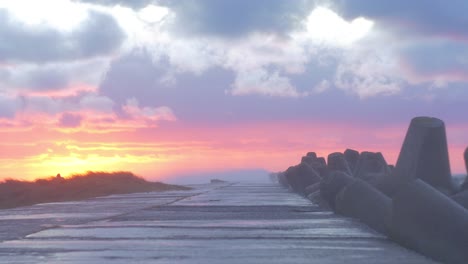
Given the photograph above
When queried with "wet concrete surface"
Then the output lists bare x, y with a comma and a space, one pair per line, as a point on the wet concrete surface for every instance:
226, 223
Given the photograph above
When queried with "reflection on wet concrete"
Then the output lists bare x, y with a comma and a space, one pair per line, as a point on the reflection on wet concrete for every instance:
230, 223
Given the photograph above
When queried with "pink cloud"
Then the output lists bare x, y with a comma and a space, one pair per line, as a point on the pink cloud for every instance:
148, 114
72, 90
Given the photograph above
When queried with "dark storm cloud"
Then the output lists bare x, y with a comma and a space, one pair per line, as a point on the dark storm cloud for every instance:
98, 35
232, 18
438, 17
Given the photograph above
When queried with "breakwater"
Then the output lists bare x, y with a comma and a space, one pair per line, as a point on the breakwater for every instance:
415, 203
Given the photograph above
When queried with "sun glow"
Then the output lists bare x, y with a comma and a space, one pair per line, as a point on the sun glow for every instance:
159, 155
61, 14
48, 164
326, 26
153, 14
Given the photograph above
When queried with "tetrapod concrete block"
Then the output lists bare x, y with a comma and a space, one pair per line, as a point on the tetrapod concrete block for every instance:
430, 222
362, 201
424, 154
301, 176
352, 157
336, 162
331, 185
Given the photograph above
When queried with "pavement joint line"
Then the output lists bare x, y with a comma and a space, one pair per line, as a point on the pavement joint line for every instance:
333, 242
139, 209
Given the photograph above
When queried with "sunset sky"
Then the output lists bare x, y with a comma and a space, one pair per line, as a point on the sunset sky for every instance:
163, 88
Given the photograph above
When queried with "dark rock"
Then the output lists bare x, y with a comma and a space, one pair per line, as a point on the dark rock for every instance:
352, 157
424, 154
362, 201
461, 198
337, 162
429, 222
371, 165
332, 185
301, 176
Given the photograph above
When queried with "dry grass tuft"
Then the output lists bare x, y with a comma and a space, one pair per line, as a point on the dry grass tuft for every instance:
14, 193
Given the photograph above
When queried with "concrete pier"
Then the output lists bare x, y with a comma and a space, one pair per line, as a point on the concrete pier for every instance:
217, 223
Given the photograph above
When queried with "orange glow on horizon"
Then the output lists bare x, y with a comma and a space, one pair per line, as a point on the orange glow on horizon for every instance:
158, 153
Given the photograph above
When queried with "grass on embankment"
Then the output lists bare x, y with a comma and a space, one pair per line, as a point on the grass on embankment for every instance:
15, 193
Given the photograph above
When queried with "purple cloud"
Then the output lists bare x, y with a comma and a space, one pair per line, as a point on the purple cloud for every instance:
202, 98
70, 120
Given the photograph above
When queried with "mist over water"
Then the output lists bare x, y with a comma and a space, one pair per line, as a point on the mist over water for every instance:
246, 176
